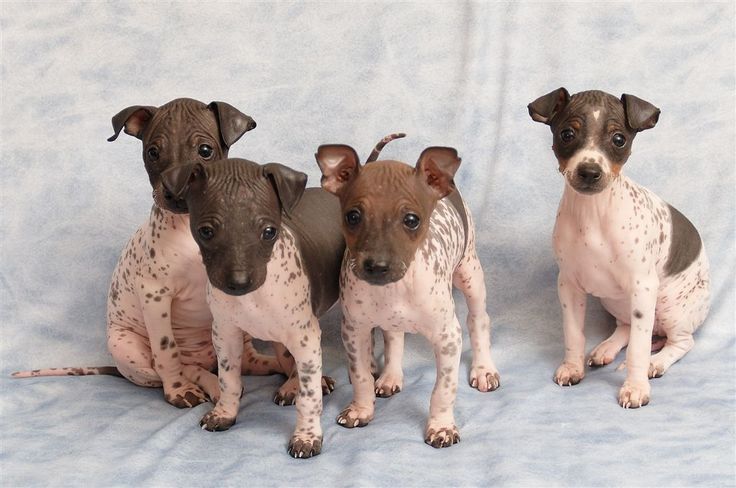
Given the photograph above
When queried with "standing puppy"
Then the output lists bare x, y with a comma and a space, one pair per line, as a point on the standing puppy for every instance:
158, 321
272, 253
407, 245
618, 241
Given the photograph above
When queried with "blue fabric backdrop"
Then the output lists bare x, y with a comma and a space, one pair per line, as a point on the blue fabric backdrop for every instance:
457, 74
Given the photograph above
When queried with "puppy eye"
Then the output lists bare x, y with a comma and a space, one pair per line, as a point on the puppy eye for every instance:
205, 151
618, 139
206, 232
353, 218
153, 153
269, 233
411, 221
567, 135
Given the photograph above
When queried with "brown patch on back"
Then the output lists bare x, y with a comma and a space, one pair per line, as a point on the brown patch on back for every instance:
685, 243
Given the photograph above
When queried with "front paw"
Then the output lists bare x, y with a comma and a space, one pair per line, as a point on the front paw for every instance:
484, 378
442, 436
215, 421
388, 384
304, 445
184, 394
634, 394
568, 374
355, 416
286, 395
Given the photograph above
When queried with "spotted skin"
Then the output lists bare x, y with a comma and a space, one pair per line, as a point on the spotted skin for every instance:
618, 241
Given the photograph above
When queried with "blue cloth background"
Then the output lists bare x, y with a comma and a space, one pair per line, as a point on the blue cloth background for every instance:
457, 74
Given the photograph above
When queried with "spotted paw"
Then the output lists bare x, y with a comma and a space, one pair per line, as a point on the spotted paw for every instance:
388, 384
302, 446
438, 437
634, 395
354, 416
484, 379
214, 421
568, 374
184, 394
328, 386
603, 354
286, 395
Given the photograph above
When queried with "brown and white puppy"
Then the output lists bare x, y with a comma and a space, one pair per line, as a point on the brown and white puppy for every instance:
619, 241
272, 252
409, 238
158, 321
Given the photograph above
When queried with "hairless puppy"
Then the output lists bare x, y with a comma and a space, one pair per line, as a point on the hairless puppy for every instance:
409, 238
158, 321
272, 252
619, 241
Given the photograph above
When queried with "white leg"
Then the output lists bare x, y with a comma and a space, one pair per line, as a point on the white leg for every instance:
572, 300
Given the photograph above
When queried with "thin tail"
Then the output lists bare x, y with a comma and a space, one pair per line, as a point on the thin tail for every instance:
104, 370
381, 144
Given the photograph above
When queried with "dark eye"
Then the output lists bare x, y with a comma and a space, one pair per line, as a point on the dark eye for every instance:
353, 218
152, 153
206, 232
205, 151
618, 139
269, 233
567, 135
411, 221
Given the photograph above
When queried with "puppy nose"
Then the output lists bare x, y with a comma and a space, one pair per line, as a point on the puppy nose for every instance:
375, 268
238, 281
589, 173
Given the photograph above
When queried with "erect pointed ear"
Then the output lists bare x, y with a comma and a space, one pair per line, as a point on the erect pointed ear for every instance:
134, 119
436, 167
640, 114
544, 108
288, 183
179, 180
339, 165
233, 123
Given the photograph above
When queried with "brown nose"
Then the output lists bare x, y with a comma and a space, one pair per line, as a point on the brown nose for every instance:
375, 269
589, 173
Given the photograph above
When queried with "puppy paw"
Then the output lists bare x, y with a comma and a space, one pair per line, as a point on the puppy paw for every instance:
306, 445
184, 394
388, 384
328, 386
355, 416
484, 378
216, 421
656, 369
604, 353
634, 395
568, 374
442, 436
286, 395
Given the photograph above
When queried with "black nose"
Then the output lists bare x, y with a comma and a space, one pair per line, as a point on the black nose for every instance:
375, 268
589, 173
238, 282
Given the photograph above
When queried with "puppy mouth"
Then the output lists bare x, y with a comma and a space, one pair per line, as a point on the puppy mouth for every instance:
164, 199
372, 276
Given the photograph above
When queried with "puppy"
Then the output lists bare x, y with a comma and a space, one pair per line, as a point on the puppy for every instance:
619, 241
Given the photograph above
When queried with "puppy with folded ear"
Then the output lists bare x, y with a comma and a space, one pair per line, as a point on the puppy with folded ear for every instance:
409, 238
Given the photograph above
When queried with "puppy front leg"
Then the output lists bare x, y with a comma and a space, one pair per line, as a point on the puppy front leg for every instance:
441, 430
572, 301
228, 341
635, 391
357, 341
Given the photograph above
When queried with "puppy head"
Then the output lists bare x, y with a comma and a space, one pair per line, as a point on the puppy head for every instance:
180, 132
235, 208
592, 133
386, 206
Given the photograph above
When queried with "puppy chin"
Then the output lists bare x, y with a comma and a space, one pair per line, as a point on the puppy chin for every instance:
586, 188
383, 280
177, 206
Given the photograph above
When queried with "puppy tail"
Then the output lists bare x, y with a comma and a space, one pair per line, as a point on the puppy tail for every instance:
103, 370
381, 144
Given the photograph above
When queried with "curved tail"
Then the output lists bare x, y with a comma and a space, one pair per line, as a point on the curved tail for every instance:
381, 144
104, 370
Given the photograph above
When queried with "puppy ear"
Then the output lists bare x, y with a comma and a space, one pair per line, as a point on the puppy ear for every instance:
134, 119
233, 123
436, 167
640, 114
288, 183
180, 179
544, 108
339, 165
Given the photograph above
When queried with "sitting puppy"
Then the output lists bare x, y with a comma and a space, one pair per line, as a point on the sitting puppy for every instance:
158, 321
272, 252
406, 246
618, 241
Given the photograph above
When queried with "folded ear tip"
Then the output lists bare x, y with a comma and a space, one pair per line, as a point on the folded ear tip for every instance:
112, 138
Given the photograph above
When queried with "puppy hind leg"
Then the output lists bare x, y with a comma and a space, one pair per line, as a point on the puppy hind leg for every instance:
605, 352
674, 349
391, 379
256, 363
132, 355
